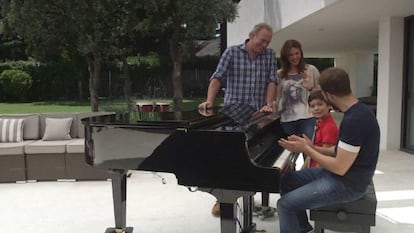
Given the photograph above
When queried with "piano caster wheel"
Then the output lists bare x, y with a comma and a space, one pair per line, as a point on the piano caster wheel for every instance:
118, 230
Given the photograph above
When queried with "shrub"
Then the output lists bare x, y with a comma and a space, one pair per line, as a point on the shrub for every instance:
15, 84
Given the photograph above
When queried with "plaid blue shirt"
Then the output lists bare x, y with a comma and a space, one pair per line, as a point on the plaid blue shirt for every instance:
246, 79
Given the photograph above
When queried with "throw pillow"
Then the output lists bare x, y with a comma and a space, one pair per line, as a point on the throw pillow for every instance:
57, 129
11, 130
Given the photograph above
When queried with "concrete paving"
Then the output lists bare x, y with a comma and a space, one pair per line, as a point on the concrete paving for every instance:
154, 207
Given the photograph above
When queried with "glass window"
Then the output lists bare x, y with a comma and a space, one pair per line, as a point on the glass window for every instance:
408, 109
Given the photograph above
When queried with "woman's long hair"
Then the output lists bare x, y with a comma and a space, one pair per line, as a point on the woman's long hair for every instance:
284, 57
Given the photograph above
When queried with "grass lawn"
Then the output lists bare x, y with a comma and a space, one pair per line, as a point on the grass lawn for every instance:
42, 107
73, 106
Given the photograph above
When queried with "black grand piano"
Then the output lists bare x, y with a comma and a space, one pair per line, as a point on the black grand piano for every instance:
229, 152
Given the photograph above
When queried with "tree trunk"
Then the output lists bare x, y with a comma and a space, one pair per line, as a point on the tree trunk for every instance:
127, 81
176, 55
94, 68
223, 36
80, 91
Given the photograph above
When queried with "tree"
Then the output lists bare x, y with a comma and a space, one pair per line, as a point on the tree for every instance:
97, 29
183, 21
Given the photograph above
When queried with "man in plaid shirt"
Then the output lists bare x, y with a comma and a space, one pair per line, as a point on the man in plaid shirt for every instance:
249, 70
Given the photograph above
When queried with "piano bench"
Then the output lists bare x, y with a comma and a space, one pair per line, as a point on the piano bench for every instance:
355, 216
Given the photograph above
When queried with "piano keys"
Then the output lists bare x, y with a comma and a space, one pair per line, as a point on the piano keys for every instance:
228, 151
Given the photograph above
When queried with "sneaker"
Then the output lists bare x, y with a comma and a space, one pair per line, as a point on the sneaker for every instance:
267, 212
216, 209
257, 209
309, 231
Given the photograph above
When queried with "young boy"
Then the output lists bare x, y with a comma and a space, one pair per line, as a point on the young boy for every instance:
326, 130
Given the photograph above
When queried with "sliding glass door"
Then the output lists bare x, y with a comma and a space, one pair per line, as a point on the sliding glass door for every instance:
408, 107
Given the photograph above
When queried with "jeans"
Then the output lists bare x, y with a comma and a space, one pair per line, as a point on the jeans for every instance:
308, 189
299, 127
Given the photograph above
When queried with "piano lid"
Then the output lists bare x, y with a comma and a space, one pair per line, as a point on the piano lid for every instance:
242, 115
167, 120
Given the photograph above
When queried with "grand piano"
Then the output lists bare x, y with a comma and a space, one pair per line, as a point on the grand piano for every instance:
230, 152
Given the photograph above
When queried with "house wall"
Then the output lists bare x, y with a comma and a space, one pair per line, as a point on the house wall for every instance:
277, 13
292, 11
390, 79
360, 67
250, 13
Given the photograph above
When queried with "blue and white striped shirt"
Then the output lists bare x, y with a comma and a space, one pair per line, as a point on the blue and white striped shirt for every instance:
246, 79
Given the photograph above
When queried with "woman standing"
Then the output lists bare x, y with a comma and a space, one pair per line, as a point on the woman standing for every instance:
296, 80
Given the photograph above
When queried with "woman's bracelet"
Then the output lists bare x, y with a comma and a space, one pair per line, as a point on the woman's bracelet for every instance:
270, 103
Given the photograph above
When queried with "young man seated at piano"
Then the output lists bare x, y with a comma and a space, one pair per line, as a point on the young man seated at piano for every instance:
342, 178
249, 70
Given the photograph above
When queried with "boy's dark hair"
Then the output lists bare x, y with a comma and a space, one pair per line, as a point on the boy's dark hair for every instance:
335, 81
317, 94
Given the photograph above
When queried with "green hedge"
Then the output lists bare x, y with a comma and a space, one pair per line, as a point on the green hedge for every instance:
15, 84
12, 50
51, 81
150, 77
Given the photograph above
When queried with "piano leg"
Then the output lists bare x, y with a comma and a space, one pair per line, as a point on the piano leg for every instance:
248, 225
228, 216
119, 184
229, 219
265, 199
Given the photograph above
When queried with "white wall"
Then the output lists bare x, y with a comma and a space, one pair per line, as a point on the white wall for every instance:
390, 79
360, 67
292, 11
277, 13
250, 14
347, 62
364, 72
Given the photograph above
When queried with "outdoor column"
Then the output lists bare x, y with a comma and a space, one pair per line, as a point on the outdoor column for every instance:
390, 79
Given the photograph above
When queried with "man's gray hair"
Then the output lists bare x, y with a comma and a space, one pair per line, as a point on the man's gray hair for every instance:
259, 27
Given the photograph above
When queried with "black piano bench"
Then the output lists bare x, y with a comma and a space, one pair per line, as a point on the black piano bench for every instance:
355, 216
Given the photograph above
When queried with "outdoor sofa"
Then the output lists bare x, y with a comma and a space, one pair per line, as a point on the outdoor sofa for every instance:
45, 146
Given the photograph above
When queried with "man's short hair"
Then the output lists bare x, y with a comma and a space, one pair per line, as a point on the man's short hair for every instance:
259, 27
335, 81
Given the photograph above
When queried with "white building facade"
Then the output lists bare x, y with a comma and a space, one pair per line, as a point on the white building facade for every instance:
355, 33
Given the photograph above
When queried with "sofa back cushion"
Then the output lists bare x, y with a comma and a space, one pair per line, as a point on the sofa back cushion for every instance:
58, 115
11, 130
31, 126
57, 129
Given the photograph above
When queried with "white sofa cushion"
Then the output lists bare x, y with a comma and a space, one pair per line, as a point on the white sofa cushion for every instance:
46, 147
76, 146
13, 148
73, 128
11, 130
57, 129
31, 128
